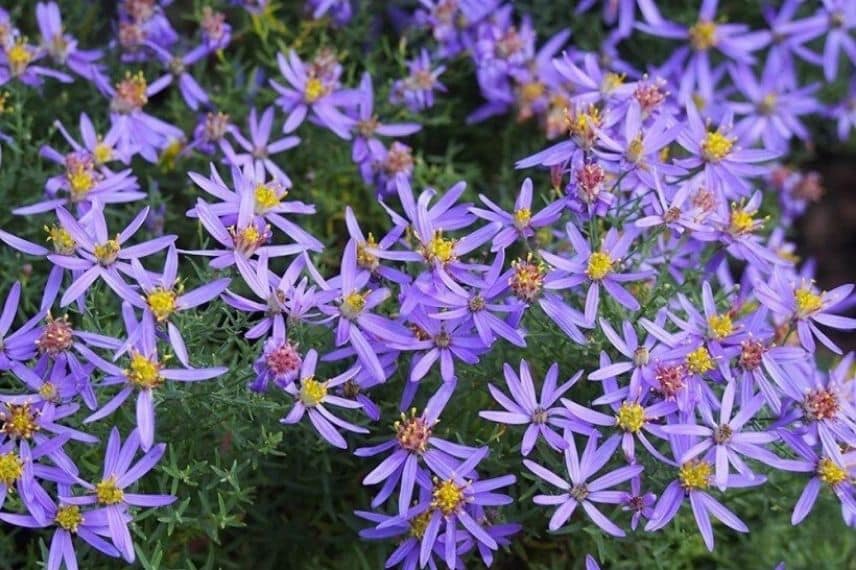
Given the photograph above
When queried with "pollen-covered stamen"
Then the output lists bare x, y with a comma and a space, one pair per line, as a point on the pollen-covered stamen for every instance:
672, 215
313, 90
703, 35
353, 304
612, 81
212, 24
650, 95
19, 421
18, 57
600, 264
720, 326
267, 197
69, 517
442, 339
641, 356
582, 125
162, 303
527, 278
751, 354
366, 259
590, 180
630, 417
830, 472
48, 392
670, 379
62, 241
695, 475
742, 222
399, 159
81, 180
143, 372
131, 94
439, 248
102, 153
108, 492
715, 146
540, 416
700, 361
11, 468
57, 336
447, 496
821, 404
579, 492
413, 432
247, 240
522, 217
108, 252
283, 359
419, 524
722, 434
807, 302
704, 200
635, 150
476, 304
312, 392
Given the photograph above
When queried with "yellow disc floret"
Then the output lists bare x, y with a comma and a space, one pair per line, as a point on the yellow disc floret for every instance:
102, 153
830, 472
630, 417
447, 496
439, 248
69, 517
703, 35
108, 492
161, 302
720, 326
18, 421
11, 468
599, 265
353, 304
266, 198
314, 90
143, 372
700, 361
312, 392
107, 252
807, 301
18, 57
522, 217
695, 474
62, 241
80, 181
419, 523
716, 146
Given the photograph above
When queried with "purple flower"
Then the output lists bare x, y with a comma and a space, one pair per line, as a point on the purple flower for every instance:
20, 345
176, 67
110, 492
835, 21
63, 48
216, 32
580, 489
416, 91
641, 505
16, 62
367, 147
259, 149
538, 414
311, 397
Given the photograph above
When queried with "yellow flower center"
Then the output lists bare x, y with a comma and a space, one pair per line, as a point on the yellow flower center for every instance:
741, 221
248, 239
11, 468
716, 146
700, 361
19, 421
419, 523
635, 149
161, 303
439, 248
703, 35
364, 258
130, 93
720, 325
108, 492
695, 474
266, 198
830, 473
527, 278
63, 243
312, 392
353, 304
522, 217
314, 90
447, 497
807, 301
143, 372
612, 81
19, 57
48, 392
80, 182
599, 265
69, 517
630, 417
107, 252
102, 153
532, 91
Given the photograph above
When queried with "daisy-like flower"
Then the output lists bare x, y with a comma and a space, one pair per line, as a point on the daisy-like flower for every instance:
177, 71
310, 88
163, 296
634, 501
416, 91
367, 146
110, 493
279, 362
98, 255
598, 268
19, 345
592, 84
522, 223
806, 307
145, 373
835, 21
16, 62
258, 149
62, 47
21, 470
312, 396
579, 488
524, 407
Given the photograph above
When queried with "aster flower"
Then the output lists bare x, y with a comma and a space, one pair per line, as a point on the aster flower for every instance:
215, 31
443, 341
521, 223
308, 90
279, 362
311, 398
599, 268
259, 149
176, 67
368, 126
21, 471
17, 346
119, 473
592, 84
164, 296
538, 414
623, 12
99, 256
834, 21
16, 62
145, 374
63, 48
339, 10
641, 505
367, 261
416, 91
580, 489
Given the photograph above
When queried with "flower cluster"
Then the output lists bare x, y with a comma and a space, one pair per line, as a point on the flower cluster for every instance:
651, 255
